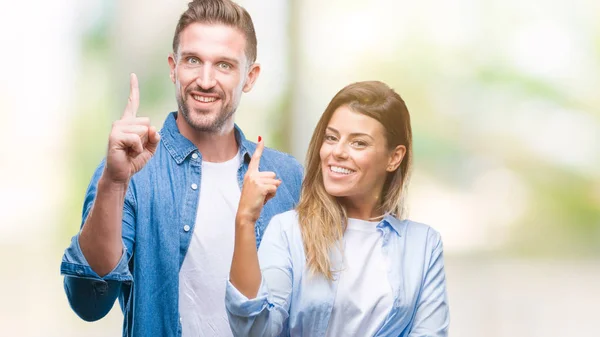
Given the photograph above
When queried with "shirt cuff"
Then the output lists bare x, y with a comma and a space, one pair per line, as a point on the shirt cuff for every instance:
74, 264
239, 305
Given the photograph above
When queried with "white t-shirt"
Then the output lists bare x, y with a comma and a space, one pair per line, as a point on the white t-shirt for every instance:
205, 269
364, 296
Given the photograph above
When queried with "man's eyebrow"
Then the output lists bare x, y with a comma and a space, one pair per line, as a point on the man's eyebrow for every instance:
227, 59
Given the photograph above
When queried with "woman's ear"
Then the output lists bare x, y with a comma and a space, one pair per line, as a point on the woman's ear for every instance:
396, 157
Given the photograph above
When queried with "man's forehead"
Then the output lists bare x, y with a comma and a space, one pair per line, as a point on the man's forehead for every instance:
213, 35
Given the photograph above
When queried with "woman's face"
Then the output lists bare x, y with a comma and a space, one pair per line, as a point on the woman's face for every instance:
355, 158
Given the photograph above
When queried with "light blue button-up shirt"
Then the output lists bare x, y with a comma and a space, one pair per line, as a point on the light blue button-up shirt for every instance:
292, 302
159, 218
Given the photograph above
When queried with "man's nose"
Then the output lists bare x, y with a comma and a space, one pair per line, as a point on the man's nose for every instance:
206, 78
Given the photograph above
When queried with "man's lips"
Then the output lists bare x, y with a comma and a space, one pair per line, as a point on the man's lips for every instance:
203, 98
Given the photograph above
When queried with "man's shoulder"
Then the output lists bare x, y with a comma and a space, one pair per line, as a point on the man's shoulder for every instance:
279, 157
284, 164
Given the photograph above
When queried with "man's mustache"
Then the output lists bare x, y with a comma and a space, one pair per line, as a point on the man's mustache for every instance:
212, 91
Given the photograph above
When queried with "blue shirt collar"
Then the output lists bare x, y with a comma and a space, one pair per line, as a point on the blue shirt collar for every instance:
396, 224
180, 147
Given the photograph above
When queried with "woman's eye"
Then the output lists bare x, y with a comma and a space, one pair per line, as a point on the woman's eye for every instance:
330, 138
359, 143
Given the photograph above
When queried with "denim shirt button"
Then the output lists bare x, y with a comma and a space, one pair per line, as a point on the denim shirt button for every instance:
186, 228
101, 287
194, 156
194, 186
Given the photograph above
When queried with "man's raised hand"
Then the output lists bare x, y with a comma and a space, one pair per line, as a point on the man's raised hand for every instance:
132, 141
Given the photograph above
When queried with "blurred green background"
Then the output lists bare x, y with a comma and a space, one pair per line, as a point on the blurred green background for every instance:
505, 105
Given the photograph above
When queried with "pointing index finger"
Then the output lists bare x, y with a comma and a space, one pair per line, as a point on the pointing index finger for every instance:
255, 160
133, 102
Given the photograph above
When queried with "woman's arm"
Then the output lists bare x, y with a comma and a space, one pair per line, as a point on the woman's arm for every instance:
267, 313
257, 304
258, 188
432, 316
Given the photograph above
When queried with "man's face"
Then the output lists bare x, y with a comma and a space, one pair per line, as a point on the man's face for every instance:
210, 71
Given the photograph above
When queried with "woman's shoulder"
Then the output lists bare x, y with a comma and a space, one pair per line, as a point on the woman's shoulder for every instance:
420, 228
416, 231
284, 229
287, 217
286, 221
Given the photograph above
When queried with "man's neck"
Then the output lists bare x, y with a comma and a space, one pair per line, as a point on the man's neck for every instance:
216, 147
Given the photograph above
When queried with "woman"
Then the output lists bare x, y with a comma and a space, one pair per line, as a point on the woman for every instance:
342, 263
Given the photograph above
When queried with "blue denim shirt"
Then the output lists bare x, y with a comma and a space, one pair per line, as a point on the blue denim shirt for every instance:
293, 302
158, 221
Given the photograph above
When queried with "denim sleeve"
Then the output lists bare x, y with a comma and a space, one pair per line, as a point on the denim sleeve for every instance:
297, 174
266, 314
92, 296
432, 315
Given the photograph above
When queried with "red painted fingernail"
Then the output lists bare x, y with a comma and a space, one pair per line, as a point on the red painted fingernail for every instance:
259, 138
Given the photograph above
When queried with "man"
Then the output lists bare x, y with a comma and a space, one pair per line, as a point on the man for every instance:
158, 217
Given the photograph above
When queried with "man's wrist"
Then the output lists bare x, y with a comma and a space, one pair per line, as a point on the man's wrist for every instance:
105, 182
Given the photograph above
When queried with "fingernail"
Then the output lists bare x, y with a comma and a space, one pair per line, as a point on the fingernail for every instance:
259, 138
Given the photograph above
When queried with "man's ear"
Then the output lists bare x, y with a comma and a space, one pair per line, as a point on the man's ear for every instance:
172, 64
253, 73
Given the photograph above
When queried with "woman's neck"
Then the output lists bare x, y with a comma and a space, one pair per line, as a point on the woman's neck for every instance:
362, 210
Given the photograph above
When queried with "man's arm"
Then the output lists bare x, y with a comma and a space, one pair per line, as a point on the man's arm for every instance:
100, 237
97, 255
132, 142
90, 295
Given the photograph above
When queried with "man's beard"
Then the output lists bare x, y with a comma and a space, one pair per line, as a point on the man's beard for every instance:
205, 125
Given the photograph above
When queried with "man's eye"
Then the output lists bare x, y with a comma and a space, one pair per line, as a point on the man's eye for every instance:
193, 60
224, 66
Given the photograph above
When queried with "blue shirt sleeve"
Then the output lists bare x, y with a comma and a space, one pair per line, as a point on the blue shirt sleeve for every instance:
432, 314
267, 314
299, 174
92, 296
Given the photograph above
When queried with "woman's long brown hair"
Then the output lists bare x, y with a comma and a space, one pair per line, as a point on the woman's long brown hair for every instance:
322, 218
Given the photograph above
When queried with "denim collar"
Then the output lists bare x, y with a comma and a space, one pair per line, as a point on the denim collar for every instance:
180, 147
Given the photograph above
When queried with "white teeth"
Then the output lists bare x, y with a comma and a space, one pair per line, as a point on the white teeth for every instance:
342, 170
204, 99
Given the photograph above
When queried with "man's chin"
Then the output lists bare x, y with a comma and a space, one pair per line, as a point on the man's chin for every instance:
203, 125
202, 111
